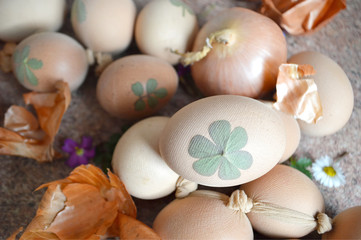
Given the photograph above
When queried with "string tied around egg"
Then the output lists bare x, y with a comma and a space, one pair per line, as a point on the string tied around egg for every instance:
184, 187
101, 59
239, 201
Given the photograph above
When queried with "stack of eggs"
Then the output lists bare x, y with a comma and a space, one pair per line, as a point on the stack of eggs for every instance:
226, 139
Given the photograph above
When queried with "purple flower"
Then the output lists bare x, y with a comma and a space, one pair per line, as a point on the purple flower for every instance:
79, 153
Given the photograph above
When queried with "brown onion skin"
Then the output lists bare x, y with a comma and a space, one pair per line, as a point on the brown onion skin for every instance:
248, 65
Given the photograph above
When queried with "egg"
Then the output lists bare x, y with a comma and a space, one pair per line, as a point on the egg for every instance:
104, 26
137, 161
346, 225
22, 18
163, 26
136, 86
204, 216
289, 188
44, 58
292, 129
335, 91
223, 140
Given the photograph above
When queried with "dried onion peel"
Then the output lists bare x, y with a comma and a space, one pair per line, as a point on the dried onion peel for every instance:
86, 205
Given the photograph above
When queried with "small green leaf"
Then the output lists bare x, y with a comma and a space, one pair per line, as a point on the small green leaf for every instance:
176, 3
219, 132
151, 85
152, 101
240, 159
31, 77
237, 140
302, 164
137, 89
201, 147
79, 11
35, 63
207, 166
227, 171
139, 105
20, 72
161, 93
25, 52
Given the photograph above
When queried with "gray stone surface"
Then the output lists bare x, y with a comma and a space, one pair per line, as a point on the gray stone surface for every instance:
340, 40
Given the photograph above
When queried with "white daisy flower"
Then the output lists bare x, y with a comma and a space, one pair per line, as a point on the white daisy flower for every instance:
327, 172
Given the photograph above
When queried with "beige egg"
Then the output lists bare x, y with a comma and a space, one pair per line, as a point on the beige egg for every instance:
289, 188
104, 26
346, 225
137, 161
21, 18
201, 217
136, 86
223, 140
293, 133
163, 26
335, 92
44, 58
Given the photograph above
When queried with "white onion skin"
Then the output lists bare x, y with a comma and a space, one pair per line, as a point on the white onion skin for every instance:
248, 65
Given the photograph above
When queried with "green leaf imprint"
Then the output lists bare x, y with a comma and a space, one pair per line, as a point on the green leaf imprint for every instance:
222, 153
78, 11
152, 94
185, 7
137, 89
151, 85
23, 66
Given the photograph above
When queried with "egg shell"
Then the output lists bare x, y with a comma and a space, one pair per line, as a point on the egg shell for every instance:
346, 225
136, 86
256, 144
104, 26
21, 18
289, 188
293, 132
163, 26
335, 91
137, 161
197, 217
44, 58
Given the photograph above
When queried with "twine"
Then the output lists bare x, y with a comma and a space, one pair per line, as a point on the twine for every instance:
184, 187
101, 59
222, 37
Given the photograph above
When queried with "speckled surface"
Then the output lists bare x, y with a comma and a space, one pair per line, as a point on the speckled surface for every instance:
340, 40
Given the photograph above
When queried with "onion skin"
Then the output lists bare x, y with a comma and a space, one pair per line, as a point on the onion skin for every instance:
248, 64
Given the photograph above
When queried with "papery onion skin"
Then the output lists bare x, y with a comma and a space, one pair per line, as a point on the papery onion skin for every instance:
248, 64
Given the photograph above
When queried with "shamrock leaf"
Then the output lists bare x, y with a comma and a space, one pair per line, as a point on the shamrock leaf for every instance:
302, 164
137, 89
152, 101
78, 11
23, 66
185, 7
151, 85
222, 153
139, 105
161, 93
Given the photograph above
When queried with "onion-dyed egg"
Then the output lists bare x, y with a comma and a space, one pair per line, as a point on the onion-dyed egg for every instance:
289, 188
202, 217
137, 161
223, 140
245, 58
104, 26
22, 18
163, 26
44, 58
346, 225
335, 91
136, 86
293, 133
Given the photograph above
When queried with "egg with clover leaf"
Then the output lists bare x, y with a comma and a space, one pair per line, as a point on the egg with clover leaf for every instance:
42, 59
136, 86
223, 140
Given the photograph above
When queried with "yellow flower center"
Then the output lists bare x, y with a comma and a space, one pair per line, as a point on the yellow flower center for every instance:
330, 171
79, 151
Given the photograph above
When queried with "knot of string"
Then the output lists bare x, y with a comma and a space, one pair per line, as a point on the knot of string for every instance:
102, 60
324, 223
184, 187
239, 201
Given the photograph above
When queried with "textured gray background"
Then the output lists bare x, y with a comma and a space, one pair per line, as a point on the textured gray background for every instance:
340, 40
